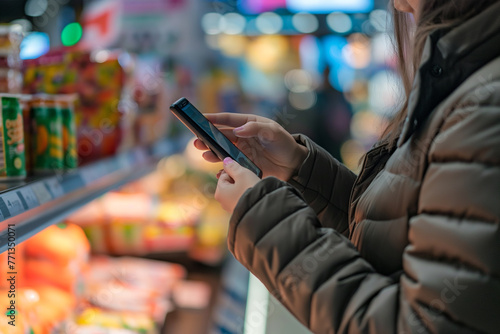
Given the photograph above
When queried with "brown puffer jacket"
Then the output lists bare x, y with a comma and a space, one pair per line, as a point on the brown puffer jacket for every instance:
412, 245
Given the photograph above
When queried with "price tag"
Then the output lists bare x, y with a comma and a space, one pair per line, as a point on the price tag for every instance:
92, 173
41, 192
87, 174
28, 198
13, 203
54, 187
4, 211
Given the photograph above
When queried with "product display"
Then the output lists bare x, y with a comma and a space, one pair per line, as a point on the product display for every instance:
11, 78
175, 217
49, 132
12, 150
104, 109
61, 289
49, 270
69, 142
48, 146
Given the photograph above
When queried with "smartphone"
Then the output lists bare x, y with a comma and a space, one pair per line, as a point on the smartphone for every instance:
210, 135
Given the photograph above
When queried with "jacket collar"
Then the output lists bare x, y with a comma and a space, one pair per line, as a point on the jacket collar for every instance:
448, 59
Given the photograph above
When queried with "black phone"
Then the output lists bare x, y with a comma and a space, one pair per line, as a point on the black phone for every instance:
210, 135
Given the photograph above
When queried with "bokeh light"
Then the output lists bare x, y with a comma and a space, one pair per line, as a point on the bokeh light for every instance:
303, 100
211, 23
305, 23
232, 45
367, 126
351, 152
232, 24
357, 53
298, 81
339, 22
36, 8
380, 20
71, 34
269, 23
266, 52
34, 45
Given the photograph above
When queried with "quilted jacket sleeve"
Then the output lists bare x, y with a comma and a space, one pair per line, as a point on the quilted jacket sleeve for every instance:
325, 184
451, 279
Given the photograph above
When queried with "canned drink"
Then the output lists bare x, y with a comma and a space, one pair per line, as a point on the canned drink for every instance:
25, 102
12, 159
66, 105
48, 149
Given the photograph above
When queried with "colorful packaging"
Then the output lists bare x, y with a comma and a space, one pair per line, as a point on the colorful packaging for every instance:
25, 102
100, 111
11, 36
10, 60
48, 149
12, 158
66, 103
11, 81
11, 78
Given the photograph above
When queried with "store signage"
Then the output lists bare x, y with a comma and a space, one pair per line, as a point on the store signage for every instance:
101, 24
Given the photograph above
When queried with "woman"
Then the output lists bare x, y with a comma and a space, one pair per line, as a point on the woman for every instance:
412, 244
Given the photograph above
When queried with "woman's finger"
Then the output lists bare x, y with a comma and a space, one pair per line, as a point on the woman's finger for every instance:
200, 145
265, 132
228, 132
219, 173
210, 156
233, 120
225, 178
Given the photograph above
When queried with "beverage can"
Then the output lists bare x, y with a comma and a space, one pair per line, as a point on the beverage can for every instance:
70, 154
25, 102
48, 149
12, 158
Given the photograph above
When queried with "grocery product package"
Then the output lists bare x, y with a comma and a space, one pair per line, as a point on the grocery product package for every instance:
105, 111
11, 78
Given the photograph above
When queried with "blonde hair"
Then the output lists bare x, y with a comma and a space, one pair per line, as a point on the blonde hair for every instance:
409, 41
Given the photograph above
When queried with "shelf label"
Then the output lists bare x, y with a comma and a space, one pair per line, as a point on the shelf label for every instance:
54, 187
41, 192
72, 182
28, 198
13, 203
92, 173
4, 211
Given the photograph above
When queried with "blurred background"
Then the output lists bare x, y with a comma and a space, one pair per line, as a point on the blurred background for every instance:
324, 68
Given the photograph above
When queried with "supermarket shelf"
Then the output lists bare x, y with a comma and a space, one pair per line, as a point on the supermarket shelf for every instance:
28, 207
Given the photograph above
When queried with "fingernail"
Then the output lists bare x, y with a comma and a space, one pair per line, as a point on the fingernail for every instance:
239, 128
228, 161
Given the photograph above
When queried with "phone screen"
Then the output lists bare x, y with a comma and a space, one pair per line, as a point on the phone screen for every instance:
214, 133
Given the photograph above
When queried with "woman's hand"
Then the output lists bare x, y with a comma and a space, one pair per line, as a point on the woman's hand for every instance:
262, 140
234, 180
